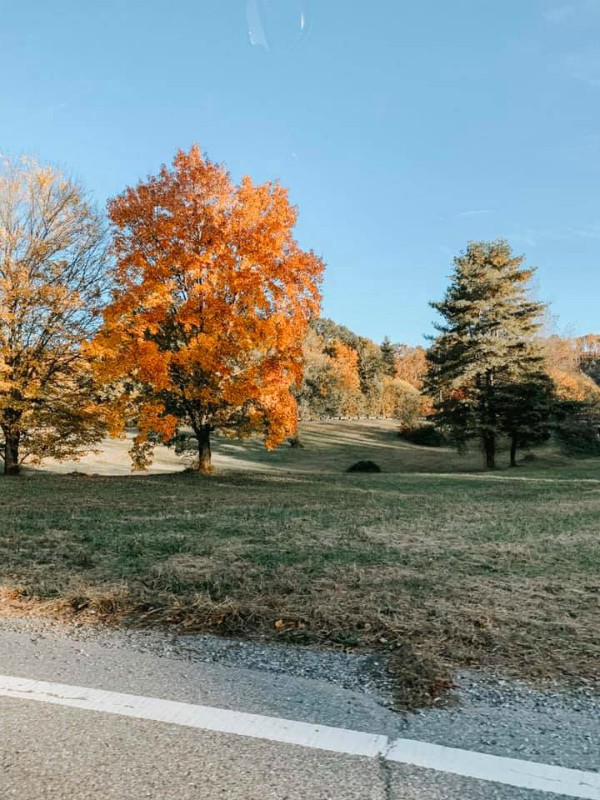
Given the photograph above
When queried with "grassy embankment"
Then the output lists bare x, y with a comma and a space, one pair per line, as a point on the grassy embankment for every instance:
440, 563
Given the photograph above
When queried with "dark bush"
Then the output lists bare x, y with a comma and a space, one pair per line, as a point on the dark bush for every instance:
579, 432
424, 435
364, 466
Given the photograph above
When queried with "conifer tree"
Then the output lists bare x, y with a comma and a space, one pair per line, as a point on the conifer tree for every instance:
486, 342
388, 354
526, 410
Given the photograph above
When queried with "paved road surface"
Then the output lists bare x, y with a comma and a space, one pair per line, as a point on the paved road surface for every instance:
53, 752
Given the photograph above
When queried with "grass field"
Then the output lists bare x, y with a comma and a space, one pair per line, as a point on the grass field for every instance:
433, 560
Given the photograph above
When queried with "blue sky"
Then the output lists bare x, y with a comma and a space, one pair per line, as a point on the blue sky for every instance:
403, 130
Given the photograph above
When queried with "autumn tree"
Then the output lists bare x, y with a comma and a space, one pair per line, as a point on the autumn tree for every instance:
319, 395
567, 361
571, 365
52, 275
344, 366
331, 387
370, 364
576, 386
411, 365
345, 376
212, 301
560, 356
589, 356
401, 401
371, 372
486, 342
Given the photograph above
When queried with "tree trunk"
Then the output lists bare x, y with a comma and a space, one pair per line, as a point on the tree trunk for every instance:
11, 452
513, 451
489, 450
204, 452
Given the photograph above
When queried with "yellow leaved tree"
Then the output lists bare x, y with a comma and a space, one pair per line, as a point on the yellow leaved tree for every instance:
52, 278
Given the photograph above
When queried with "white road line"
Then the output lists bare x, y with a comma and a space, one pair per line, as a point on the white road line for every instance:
514, 772
274, 729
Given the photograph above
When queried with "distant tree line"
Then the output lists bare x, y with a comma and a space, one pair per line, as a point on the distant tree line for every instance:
347, 376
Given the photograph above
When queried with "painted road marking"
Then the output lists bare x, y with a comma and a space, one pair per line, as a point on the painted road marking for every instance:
485, 767
470, 764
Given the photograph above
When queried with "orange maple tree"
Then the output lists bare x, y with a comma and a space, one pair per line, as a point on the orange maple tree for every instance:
212, 301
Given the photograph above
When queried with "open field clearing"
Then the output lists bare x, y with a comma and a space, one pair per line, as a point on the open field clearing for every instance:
326, 447
440, 564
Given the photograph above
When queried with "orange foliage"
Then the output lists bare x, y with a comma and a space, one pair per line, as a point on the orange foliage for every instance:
563, 360
346, 365
561, 355
411, 366
212, 304
575, 386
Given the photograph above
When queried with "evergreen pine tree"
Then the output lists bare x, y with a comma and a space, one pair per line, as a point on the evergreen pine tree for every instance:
526, 410
388, 354
485, 343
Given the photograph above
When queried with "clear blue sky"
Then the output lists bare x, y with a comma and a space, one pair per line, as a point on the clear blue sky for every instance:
403, 130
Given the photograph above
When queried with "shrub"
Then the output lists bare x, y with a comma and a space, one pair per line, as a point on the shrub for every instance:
364, 466
424, 435
578, 433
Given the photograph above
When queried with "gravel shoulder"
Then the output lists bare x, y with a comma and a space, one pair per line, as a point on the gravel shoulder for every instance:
489, 714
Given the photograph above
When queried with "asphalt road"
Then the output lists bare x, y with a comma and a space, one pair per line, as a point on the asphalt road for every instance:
53, 752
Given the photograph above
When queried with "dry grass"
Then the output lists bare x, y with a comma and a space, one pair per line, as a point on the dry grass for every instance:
440, 564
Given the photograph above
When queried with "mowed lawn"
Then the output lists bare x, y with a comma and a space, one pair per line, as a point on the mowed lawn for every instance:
433, 560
